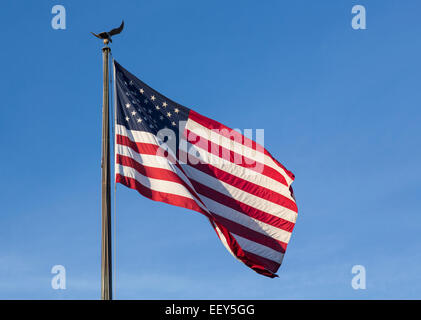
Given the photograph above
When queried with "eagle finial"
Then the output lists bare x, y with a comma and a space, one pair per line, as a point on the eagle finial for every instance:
106, 36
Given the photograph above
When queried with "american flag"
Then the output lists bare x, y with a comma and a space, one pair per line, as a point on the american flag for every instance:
172, 154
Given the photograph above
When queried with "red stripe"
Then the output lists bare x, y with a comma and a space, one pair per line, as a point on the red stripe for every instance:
242, 207
152, 149
145, 148
258, 264
240, 183
230, 133
150, 172
261, 261
169, 198
234, 157
168, 175
155, 173
250, 234
263, 266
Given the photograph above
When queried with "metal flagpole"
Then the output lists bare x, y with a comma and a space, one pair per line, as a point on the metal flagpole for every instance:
106, 267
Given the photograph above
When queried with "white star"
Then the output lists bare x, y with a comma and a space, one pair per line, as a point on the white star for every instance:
133, 113
141, 91
161, 118
164, 104
157, 107
176, 110
127, 118
153, 98
131, 82
139, 120
173, 123
128, 105
168, 114
150, 110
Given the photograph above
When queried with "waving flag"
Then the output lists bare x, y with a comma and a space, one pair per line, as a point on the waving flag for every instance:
172, 154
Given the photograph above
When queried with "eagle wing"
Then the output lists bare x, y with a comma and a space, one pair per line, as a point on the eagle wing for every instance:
96, 35
117, 30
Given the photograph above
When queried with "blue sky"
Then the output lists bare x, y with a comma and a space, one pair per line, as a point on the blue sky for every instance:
340, 108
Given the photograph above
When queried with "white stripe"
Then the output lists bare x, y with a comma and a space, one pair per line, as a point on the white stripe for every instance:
143, 137
207, 157
212, 205
137, 136
146, 159
154, 184
218, 185
152, 161
220, 209
236, 170
215, 137
259, 249
246, 221
240, 195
